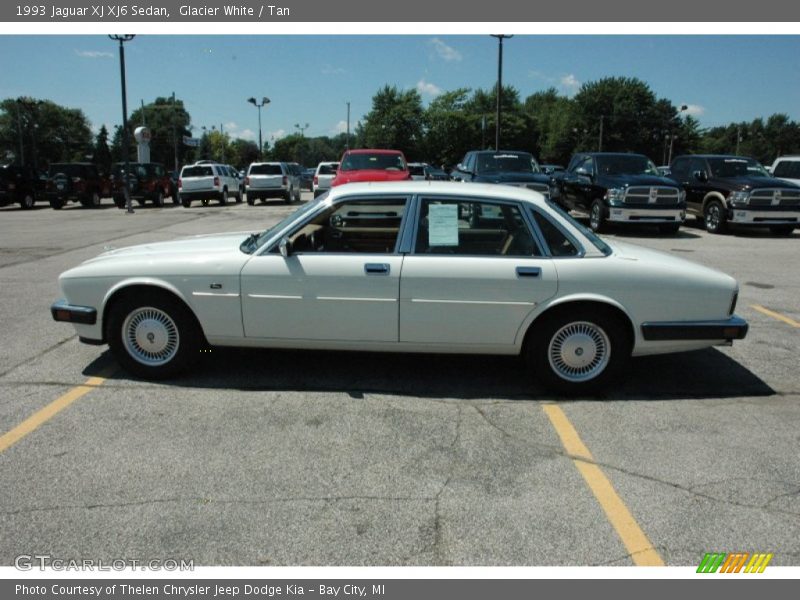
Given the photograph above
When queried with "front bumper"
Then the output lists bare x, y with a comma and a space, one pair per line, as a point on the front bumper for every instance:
764, 217
622, 214
733, 328
70, 313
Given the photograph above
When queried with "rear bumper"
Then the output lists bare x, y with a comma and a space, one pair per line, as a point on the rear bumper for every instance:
276, 192
733, 328
202, 195
70, 313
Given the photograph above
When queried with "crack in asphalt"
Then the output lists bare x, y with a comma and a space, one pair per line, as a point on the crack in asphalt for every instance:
502, 431
36, 356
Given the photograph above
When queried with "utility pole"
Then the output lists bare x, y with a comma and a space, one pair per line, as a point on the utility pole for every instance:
347, 142
600, 141
738, 138
174, 133
500, 37
19, 131
144, 120
126, 158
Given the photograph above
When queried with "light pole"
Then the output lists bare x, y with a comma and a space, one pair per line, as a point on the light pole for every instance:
302, 130
122, 39
264, 102
500, 37
673, 136
347, 140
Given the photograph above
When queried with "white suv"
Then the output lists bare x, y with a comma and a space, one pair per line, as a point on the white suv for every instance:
271, 180
206, 180
323, 176
787, 168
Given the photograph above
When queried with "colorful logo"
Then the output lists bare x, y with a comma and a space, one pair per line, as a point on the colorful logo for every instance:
714, 562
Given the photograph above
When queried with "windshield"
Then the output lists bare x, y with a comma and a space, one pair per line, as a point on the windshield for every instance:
736, 167
328, 169
378, 161
596, 241
265, 170
255, 241
629, 164
507, 162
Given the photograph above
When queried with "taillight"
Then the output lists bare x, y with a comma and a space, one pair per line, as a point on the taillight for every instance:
285, 180
316, 180
247, 181
180, 183
216, 181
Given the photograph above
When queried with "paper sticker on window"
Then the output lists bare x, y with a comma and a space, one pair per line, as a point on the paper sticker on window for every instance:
443, 225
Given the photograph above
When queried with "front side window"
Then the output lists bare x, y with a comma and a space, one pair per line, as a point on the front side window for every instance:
364, 226
473, 228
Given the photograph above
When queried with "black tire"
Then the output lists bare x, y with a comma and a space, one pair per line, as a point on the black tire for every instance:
715, 218
119, 201
317, 193
781, 230
143, 326
596, 333
159, 199
223, 197
287, 197
185, 202
597, 216
27, 202
57, 203
669, 228
251, 200
140, 201
240, 196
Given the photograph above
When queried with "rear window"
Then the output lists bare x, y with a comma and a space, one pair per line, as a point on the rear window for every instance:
197, 171
328, 169
377, 161
266, 170
416, 170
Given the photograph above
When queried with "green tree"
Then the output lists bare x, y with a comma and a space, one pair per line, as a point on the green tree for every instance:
449, 129
395, 121
168, 121
102, 153
243, 152
552, 116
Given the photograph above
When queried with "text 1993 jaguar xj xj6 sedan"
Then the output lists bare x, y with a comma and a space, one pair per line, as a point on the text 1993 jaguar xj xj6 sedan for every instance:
410, 266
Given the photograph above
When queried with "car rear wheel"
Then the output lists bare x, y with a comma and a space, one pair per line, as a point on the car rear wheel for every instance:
782, 230
251, 200
287, 197
578, 351
119, 201
597, 217
27, 201
715, 218
159, 199
223, 198
57, 203
185, 202
153, 335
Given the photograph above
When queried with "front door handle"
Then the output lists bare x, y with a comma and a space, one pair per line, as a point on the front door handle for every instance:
528, 271
376, 269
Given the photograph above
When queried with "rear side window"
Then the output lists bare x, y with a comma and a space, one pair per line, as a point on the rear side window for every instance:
266, 170
327, 170
197, 171
473, 228
788, 168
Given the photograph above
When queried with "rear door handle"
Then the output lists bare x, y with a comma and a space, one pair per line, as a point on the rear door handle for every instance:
528, 271
376, 269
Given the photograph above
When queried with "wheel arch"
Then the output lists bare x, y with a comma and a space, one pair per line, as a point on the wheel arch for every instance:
577, 302
714, 196
130, 287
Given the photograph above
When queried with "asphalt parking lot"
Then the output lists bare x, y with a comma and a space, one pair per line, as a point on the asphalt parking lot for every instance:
314, 458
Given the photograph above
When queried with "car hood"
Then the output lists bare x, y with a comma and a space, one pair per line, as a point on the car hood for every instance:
199, 245
370, 175
619, 181
749, 183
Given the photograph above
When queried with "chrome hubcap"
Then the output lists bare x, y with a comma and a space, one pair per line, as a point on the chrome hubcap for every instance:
713, 216
595, 216
579, 351
150, 336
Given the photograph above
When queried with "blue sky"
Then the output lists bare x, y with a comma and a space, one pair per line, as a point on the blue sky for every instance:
310, 78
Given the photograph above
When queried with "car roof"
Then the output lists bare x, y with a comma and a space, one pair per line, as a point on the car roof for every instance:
611, 154
713, 156
441, 188
372, 151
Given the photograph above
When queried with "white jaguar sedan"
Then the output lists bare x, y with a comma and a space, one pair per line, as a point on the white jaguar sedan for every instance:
405, 267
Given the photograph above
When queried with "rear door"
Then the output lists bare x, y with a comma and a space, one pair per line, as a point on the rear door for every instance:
197, 178
475, 274
265, 176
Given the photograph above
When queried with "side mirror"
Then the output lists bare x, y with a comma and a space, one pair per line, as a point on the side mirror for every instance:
583, 172
285, 247
700, 176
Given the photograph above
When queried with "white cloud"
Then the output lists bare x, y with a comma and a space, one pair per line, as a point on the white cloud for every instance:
445, 52
280, 133
694, 109
427, 88
93, 54
331, 70
340, 127
569, 84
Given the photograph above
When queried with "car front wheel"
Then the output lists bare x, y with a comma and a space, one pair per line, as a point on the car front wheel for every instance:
27, 201
597, 217
153, 335
578, 351
715, 218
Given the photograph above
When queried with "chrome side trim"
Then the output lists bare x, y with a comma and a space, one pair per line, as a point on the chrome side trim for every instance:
274, 297
347, 299
222, 295
485, 302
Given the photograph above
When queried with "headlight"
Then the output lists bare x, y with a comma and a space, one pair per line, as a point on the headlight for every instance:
615, 196
739, 198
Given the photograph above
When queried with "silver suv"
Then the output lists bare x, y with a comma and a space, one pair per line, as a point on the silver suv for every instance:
206, 180
323, 177
271, 180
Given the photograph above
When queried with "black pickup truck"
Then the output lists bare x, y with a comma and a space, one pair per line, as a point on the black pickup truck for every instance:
20, 185
724, 189
622, 189
505, 167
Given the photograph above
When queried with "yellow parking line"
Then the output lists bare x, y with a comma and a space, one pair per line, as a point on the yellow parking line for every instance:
48, 412
775, 315
636, 542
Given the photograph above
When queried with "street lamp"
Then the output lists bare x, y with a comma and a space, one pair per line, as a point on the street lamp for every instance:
302, 130
264, 102
500, 37
673, 136
122, 39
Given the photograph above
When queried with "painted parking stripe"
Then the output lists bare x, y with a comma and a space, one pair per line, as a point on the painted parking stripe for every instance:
48, 412
639, 547
775, 315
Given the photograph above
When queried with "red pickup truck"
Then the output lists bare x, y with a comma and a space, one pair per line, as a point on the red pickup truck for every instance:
371, 165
